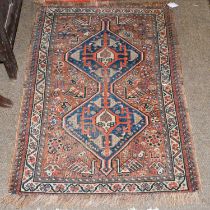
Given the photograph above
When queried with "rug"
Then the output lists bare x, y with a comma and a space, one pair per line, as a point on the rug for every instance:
103, 108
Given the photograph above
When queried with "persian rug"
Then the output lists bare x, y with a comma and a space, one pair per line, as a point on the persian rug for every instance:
103, 108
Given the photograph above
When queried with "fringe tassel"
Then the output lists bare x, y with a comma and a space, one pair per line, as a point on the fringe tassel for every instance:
179, 80
121, 201
117, 3
39, 1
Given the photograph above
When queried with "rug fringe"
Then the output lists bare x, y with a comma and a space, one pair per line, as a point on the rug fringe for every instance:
195, 174
108, 201
119, 3
39, 1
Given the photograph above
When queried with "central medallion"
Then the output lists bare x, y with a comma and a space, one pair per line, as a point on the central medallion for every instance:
105, 120
104, 124
105, 56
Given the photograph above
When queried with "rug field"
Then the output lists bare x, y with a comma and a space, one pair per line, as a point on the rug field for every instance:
103, 109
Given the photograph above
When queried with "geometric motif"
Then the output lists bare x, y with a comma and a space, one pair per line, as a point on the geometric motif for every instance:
103, 110
104, 124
